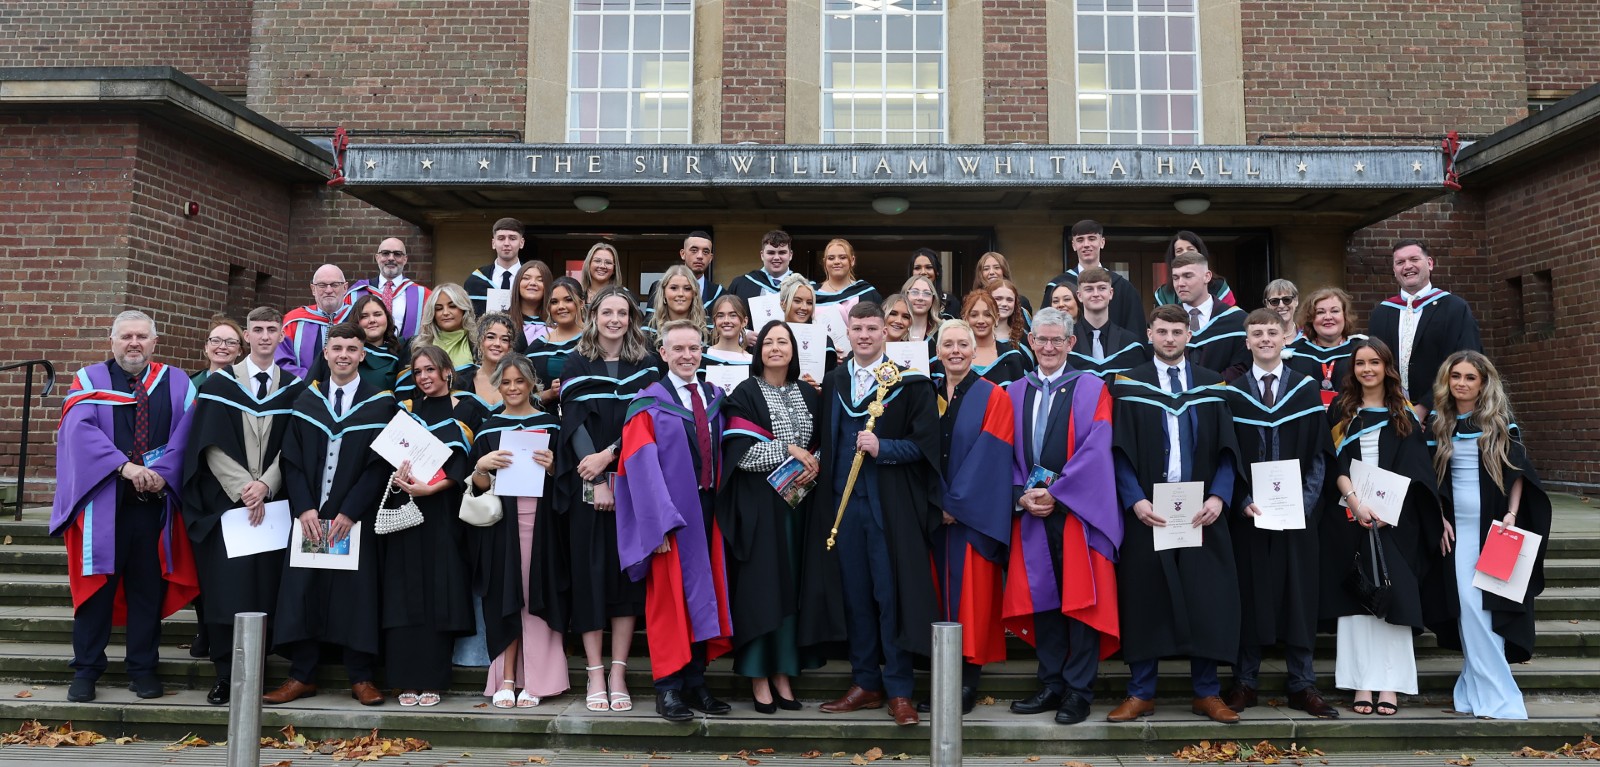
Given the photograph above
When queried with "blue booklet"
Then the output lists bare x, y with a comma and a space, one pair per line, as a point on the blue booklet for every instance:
786, 480
1041, 477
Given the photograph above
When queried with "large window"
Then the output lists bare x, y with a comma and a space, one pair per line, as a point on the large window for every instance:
630, 80
1138, 72
883, 71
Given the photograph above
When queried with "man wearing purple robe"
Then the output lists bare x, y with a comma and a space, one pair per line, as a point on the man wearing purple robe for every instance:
404, 298
119, 463
305, 329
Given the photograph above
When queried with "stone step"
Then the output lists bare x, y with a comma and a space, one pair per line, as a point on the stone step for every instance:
457, 725
28, 663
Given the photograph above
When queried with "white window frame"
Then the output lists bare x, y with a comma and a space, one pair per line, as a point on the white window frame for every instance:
1136, 13
632, 130
824, 91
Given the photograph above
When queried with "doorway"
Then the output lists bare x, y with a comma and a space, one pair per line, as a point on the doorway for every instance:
1241, 256
883, 254
643, 252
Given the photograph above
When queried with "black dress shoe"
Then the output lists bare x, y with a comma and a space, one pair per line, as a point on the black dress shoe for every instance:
200, 646
767, 708
148, 687
670, 706
81, 690
785, 703
969, 701
1073, 710
219, 692
701, 699
1042, 701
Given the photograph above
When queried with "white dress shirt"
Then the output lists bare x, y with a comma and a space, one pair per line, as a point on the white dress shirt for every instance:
330, 462
1408, 332
1205, 308
1174, 434
397, 310
1256, 374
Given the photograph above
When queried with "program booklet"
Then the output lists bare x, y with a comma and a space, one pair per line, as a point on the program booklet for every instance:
786, 480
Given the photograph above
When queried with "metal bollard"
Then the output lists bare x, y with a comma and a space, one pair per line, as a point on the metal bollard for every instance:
945, 748
244, 705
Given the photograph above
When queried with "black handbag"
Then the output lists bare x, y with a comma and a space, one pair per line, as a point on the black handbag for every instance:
1368, 579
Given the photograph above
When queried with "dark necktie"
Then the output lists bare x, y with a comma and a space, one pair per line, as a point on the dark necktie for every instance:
261, 386
505, 280
702, 436
1269, 393
338, 402
1194, 320
141, 420
1185, 423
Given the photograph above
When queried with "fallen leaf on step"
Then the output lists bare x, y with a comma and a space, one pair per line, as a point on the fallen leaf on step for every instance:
38, 687
188, 741
23, 694
126, 739
901, 757
766, 751
1032, 759
722, 758
1529, 752
1422, 753
838, 754
1076, 764
1572, 621
284, 763
752, 762
481, 705
987, 700
812, 754
857, 760
8, 540
1464, 761
537, 760
873, 754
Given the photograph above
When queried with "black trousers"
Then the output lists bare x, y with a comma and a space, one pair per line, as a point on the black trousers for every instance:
304, 657
1069, 654
139, 574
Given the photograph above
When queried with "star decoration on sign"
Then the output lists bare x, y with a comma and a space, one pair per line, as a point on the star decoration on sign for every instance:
427, 165
1300, 167
1416, 167
483, 164
1361, 167
372, 164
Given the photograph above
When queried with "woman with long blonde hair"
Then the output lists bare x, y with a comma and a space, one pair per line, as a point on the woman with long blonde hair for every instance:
600, 267
678, 298
1485, 477
839, 287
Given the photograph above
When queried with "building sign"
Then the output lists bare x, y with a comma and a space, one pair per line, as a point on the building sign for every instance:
897, 166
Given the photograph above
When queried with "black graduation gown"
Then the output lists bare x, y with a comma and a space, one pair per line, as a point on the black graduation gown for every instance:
1219, 346
426, 591
860, 289
1126, 309
1279, 578
1327, 368
910, 413
1125, 350
1446, 326
709, 296
381, 367
549, 360
338, 606
1180, 602
477, 286
753, 284
590, 398
242, 584
761, 583
1513, 621
494, 554
1411, 550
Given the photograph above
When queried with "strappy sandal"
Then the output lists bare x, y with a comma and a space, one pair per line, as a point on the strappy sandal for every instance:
1362, 707
504, 698
428, 699
596, 701
408, 699
524, 700
1385, 708
621, 701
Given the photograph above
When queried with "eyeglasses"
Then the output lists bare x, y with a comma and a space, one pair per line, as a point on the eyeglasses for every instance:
919, 293
1280, 301
1042, 341
399, 253
329, 285
223, 342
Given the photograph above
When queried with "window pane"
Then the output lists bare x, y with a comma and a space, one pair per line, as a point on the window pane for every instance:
1153, 72
1152, 33
647, 32
586, 70
614, 70
677, 33
869, 71
1153, 113
1180, 33
1091, 33
1119, 33
928, 71
614, 33
1092, 112
1091, 5
675, 72
836, 31
869, 33
930, 33
586, 33
613, 110
1183, 113
1128, 138
1094, 138
1124, 112
1182, 68
1120, 72
899, 75
897, 34
1092, 73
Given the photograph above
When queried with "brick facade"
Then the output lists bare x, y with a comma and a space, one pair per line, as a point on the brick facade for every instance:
401, 65
1381, 67
1559, 45
208, 39
1016, 55
755, 38
331, 227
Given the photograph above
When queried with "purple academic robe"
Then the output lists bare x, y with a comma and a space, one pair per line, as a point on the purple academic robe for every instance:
303, 330
406, 325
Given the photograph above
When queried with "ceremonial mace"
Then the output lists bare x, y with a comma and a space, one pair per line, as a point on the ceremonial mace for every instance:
887, 374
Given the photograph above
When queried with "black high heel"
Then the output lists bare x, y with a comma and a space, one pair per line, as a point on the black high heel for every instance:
766, 708
785, 703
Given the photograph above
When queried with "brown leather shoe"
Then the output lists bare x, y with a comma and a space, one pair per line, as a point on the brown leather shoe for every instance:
903, 711
1241, 697
1131, 709
366, 693
291, 689
1311, 702
1212, 706
855, 699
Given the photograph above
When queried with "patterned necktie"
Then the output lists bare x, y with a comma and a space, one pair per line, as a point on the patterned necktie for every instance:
1194, 320
261, 387
141, 421
338, 402
389, 291
1099, 351
702, 436
1408, 337
1269, 392
863, 382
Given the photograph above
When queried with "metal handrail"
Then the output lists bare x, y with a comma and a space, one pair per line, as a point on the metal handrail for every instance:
27, 413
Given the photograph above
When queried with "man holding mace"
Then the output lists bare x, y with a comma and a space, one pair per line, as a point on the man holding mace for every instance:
884, 522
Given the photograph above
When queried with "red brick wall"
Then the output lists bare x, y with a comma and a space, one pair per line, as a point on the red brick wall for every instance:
1559, 45
1016, 58
755, 38
207, 39
403, 64
331, 227
1382, 66
1452, 227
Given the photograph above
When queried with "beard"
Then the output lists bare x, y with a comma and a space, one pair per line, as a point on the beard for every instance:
132, 365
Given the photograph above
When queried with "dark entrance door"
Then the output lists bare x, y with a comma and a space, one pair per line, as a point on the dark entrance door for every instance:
883, 254
1242, 256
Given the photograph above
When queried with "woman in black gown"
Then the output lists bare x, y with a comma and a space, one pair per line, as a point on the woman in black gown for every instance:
612, 363
564, 309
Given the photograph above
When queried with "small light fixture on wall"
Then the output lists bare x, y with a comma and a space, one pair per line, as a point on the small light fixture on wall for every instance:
891, 206
1192, 204
591, 203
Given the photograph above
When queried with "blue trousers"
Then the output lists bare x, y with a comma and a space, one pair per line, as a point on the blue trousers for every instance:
1247, 669
139, 573
1202, 674
693, 673
877, 663
1069, 654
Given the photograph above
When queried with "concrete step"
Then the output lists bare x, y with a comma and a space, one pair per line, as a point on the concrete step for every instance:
457, 725
46, 663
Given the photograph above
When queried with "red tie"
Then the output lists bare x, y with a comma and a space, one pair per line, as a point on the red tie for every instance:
702, 436
141, 421
388, 295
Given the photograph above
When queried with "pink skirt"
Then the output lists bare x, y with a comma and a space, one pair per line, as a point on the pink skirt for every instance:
544, 661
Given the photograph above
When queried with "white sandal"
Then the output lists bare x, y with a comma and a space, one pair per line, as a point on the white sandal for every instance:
596, 701
621, 701
524, 700
505, 698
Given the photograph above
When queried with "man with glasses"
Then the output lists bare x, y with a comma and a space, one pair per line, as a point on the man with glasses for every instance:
404, 298
305, 329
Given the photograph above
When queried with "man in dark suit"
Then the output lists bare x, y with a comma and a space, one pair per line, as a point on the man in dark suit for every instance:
1423, 324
